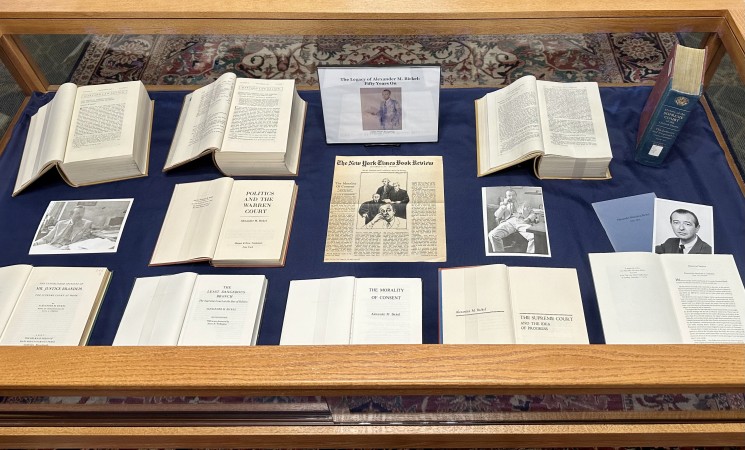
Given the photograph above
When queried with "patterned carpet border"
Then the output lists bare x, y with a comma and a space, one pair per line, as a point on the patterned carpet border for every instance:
466, 61
456, 407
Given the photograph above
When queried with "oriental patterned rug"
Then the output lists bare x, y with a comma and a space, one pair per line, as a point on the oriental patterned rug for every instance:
453, 407
466, 61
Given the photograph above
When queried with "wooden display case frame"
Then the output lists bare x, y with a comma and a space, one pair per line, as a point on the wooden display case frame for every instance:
379, 370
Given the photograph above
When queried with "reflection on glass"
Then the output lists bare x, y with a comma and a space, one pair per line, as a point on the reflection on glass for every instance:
10, 98
57, 55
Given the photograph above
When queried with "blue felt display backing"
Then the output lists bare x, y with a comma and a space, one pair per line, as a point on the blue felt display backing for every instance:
696, 171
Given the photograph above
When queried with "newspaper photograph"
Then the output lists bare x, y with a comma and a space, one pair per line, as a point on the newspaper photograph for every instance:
387, 209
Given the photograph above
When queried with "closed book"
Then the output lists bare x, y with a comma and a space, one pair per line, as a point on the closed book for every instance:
673, 97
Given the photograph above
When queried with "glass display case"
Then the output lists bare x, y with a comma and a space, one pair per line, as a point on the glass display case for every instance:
428, 395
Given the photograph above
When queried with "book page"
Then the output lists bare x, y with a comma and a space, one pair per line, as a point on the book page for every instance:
47, 136
387, 311
318, 312
12, 280
55, 306
708, 296
103, 122
547, 306
256, 221
513, 122
572, 120
155, 310
202, 122
633, 299
475, 305
259, 118
224, 310
193, 220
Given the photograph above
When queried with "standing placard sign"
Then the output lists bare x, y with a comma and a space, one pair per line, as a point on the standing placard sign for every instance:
378, 105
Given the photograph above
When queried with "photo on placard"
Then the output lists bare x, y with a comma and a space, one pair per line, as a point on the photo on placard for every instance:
81, 226
381, 108
681, 227
515, 221
384, 200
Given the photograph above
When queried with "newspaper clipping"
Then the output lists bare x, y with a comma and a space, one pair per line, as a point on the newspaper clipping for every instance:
387, 209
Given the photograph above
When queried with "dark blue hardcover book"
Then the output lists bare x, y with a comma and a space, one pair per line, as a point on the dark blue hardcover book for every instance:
675, 94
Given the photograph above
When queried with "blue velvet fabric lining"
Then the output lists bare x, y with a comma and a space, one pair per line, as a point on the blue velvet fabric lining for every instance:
696, 171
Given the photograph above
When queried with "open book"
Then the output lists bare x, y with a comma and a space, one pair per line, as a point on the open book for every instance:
251, 127
191, 309
561, 125
350, 310
645, 298
92, 134
496, 304
227, 222
49, 305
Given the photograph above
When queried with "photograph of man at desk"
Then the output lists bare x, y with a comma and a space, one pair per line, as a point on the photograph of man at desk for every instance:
514, 221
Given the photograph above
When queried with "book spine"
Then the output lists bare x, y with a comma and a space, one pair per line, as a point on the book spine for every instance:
661, 86
663, 127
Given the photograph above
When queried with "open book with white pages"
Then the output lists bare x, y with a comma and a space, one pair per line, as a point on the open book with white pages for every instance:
191, 309
250, 126
496, 304
350, 310
672, 298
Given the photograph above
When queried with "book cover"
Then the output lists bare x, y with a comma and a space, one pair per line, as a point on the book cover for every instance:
628, 221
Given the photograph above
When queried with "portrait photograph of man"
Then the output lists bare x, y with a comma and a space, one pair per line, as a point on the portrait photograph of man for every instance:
515, 221
81, 226
681, 227
381, 108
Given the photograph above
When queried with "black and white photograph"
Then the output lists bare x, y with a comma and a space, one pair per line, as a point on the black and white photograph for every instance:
515, 221
383, 200
681, 227
81, 226
381, 108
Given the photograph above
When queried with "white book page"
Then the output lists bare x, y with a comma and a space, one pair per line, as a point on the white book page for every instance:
708, 296
547, 306
256, 220
55, 306
318, 312
295, 135
259, 119
103, 122
12, 280
514, 128
224, 310
633, 299
203, 119
387, 311
572, 120
476, 305
155, 310
193, 220
47, 136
